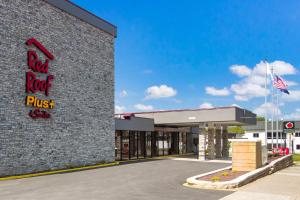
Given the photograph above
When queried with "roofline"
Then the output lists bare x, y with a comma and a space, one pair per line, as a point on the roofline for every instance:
86, 16
180, 110
115, 117
260, 126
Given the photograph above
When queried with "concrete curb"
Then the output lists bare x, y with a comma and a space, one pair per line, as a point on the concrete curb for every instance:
85, 167
241, 180
58, 171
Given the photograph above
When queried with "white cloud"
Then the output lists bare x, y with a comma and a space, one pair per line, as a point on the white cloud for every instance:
293, 116
280, 68
157, 92
283, 68
253, 81
293, 96
257, 80
245, 91
120, 109
143, 107
240, 70
217, 92
206, 105
241, 98
123, 93
291, 83
267, 109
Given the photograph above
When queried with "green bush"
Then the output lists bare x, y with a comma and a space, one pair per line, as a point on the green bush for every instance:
296, 157
225, 174
215, 178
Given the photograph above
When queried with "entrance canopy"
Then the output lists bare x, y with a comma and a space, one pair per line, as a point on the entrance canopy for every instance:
194, 117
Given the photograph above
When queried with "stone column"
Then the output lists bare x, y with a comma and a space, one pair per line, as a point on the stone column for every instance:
225, 148
202, 142
218, 143
211, 142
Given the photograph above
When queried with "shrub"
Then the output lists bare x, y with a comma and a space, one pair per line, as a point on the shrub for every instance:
225, 174
296, 157
215, 178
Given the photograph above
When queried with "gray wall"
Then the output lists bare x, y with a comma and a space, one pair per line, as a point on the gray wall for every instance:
135, 124
81, 130
226, 115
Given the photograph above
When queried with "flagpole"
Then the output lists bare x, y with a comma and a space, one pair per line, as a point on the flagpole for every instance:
266, 115
277, 118
272, 122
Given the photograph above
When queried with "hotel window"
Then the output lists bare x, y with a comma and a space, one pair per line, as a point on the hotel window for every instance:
255, 135
297, 134
298, 146
283, 136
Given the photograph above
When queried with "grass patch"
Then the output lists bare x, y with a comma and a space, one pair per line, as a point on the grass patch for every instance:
296, 157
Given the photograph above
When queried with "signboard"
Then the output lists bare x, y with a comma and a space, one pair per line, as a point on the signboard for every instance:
38, 68
289, 125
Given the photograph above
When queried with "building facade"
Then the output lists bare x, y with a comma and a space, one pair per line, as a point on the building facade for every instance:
281, 137
57, 87
138, 138
176, 132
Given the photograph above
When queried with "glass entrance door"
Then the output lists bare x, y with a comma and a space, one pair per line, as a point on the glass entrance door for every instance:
132, 145
148, 144
174, 143
118, 145
125, 145
141, 144
154, 151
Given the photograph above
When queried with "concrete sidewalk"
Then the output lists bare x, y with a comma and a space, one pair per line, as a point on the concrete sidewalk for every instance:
282, 185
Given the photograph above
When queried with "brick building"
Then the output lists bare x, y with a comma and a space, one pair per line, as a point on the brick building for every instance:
57, 87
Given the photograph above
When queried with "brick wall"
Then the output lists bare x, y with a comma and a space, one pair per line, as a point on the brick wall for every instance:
81, 128
246, 155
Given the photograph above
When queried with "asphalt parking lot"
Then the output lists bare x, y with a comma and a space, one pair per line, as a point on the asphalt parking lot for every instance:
151, 180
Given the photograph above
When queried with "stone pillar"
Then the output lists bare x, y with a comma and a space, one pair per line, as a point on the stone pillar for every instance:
225, 148
202, 142
218, 143
211, 142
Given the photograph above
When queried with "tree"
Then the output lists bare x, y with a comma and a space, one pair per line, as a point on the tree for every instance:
260, 118
236, 129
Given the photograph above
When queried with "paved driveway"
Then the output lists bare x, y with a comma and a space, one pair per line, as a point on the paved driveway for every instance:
152, 180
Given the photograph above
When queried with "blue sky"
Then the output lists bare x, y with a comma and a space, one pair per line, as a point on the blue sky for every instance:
191, 54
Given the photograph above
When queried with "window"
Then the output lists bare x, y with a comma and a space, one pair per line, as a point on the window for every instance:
280, 135
298, 146
297, 134
255, 135
283, 135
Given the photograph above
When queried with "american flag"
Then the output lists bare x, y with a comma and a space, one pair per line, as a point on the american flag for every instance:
280, 84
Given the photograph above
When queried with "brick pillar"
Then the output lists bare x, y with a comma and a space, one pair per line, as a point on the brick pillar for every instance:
225, 148
218, 143
211, 143
202, 143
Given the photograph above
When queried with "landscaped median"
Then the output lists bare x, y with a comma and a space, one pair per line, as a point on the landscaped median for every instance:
215, 182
